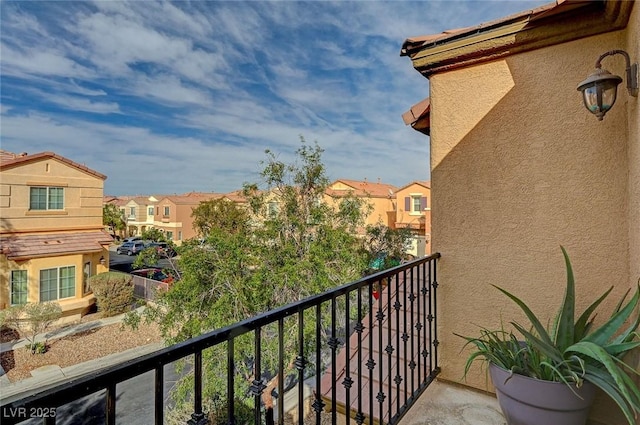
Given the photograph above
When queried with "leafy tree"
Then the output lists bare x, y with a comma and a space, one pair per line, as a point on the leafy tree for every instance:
387, 245
32, 319
113, 217
154, 234
221, 214
260, 258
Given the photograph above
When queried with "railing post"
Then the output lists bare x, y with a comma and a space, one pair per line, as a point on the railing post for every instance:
197, 417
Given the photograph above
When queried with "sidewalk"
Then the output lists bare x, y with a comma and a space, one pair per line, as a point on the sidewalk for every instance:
53, 374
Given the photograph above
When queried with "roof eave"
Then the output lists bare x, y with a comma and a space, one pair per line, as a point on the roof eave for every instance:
567, 21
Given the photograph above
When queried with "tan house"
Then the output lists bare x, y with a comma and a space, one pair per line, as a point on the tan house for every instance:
140, 212
173, 214
380, 196
413, 211
51, 236
519, 167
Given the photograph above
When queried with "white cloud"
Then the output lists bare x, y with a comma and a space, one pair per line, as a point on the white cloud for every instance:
189, 94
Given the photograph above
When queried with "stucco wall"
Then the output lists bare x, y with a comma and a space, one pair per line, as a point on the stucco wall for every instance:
76, 304
82, 198
519, 167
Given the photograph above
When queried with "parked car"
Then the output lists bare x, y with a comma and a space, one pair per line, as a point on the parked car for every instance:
130, 248
154, 274
163, 249
132, 239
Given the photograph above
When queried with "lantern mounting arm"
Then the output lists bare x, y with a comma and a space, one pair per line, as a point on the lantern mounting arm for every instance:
631, 70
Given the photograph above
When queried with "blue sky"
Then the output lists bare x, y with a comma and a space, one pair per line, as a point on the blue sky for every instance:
173, 97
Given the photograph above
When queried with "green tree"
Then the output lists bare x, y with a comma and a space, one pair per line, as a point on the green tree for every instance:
154, 234
113, 217
260, 258
221, 214
386, 247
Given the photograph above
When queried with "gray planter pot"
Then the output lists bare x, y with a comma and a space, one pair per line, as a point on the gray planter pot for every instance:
528, 401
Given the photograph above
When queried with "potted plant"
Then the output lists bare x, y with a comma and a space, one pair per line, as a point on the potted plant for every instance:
549, 375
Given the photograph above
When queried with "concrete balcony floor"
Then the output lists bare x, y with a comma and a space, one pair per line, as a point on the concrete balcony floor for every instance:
446, 404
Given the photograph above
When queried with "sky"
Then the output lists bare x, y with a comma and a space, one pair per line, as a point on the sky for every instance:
168, 97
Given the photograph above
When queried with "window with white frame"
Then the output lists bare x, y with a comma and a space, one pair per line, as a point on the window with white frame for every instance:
272, 209
57, 283
18, 287
132, 212
415, 203
169, 235
166, 211
46, 198
150, 211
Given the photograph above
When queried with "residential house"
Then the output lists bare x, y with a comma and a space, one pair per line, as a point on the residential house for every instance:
140, 212
380, 196
51, 237
519, 167
413, 212
173, 214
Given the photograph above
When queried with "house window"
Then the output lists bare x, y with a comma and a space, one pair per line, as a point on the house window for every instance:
46, 198
86, 274
179, 235
132, 212
166, 211
415, 204
272, 209
150, 211
170, 235
57, 283
18, 287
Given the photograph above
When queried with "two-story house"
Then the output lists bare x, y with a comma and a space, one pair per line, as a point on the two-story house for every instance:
51, 236
379, 196
173, 214
413, 212
140, 214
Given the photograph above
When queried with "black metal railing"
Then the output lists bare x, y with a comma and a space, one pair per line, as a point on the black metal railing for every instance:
385, 323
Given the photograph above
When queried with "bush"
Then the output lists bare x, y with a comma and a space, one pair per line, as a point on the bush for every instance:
32, 319
113, 291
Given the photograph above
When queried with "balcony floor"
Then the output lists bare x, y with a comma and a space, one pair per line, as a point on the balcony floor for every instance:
446, 404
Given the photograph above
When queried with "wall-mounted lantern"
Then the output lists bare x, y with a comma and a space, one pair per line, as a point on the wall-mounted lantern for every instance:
102, 260
600, 89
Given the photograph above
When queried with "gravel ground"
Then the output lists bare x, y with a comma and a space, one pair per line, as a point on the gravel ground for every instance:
78, 348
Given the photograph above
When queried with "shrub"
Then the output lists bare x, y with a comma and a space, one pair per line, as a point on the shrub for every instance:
33, 319
113, 291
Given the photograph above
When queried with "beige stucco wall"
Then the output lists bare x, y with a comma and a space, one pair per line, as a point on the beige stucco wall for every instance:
82, 197
520, 167
70, 306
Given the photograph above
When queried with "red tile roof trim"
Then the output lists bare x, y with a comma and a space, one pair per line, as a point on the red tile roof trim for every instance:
10, 160
52, 244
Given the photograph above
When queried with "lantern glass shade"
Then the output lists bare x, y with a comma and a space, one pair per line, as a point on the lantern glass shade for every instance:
599, 92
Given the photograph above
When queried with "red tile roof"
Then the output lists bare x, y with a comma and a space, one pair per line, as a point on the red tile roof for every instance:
10, 160
193, 197
23, 247
417, 111
363, 188
424, 183
413, 44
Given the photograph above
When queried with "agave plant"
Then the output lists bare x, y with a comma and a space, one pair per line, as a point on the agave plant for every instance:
571, 351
